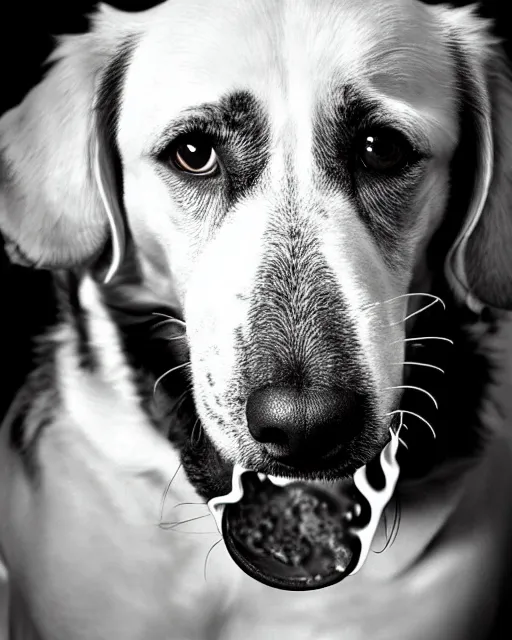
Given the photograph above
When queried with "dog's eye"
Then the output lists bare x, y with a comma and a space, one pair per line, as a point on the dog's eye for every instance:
384, 151
195, 155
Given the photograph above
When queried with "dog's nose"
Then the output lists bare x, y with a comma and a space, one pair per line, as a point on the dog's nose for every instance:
297, 427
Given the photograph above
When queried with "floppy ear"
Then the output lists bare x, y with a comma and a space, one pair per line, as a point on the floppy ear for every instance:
59, 177
479, 265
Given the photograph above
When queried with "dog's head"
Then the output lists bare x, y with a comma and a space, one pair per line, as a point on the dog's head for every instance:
282, 169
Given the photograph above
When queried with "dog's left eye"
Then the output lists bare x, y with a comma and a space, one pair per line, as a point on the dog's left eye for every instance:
195, 155
384, 151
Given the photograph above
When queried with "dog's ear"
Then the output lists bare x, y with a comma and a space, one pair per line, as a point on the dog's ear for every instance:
479, 265
59, 175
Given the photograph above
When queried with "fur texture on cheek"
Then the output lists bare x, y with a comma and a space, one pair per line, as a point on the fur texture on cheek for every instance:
217, 303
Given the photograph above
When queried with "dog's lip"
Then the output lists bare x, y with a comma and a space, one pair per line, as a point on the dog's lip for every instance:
318, 473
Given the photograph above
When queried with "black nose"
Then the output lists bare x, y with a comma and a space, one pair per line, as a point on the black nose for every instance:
298, 427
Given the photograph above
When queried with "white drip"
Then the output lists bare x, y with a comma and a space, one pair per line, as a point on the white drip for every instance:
376, 499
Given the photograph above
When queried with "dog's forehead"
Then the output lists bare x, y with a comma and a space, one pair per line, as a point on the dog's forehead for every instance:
194, 52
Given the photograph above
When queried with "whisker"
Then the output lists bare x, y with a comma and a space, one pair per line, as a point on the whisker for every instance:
186, 504
408, 386
401, 426
169, 526
208, 555
176, 368
409, 295
420, 364
398, 512
177, 405
180, 400
402, 442
182, 337
191, 533
411, 413
164, 497
394, 529
170, 318
415, 313
422, 338
195, 435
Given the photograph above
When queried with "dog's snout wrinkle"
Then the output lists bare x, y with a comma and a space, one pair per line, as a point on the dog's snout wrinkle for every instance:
295, 426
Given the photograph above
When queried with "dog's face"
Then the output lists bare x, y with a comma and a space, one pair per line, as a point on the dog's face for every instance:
284, 167
291, 164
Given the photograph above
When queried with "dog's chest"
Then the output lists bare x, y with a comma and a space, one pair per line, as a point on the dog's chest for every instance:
444, 572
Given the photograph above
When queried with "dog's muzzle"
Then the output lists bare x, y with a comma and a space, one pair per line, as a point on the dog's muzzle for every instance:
300, 536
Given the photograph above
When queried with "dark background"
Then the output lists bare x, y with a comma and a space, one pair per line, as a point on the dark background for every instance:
27, 30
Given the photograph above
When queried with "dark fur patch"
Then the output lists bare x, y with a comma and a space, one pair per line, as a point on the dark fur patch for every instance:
29, 310
28, 356
106, 112
145, 342
78, 317
238, 129
381, 200
30, 421
110, 90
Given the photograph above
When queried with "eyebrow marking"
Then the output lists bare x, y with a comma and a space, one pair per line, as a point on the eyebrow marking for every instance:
380, 200
237, 126
361, 110
238, 113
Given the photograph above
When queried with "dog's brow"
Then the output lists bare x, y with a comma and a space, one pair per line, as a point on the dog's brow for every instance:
358, 110
235, 112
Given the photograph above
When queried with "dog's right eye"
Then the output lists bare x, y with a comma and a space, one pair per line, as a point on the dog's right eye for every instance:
195, 155
385, 151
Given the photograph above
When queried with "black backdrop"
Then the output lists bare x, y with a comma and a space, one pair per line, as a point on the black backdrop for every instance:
27, 30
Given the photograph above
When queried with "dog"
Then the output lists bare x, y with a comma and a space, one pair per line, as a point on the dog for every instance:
318, 192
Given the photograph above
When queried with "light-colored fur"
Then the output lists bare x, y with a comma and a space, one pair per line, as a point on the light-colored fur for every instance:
87, 540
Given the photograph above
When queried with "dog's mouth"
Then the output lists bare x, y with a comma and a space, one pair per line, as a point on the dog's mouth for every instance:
297, 535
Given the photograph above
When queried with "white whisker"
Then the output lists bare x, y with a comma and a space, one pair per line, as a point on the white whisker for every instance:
167, 491
401, 422
170, 318
409, 295
411, 413
422, 338
407, 386
168, 321
179, 366
415, 313
402, 442
420, 364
